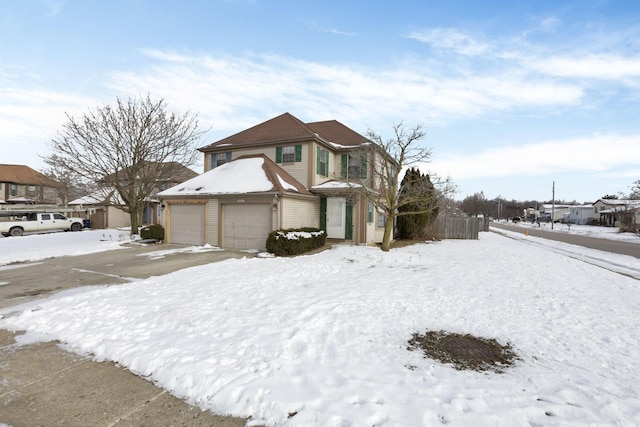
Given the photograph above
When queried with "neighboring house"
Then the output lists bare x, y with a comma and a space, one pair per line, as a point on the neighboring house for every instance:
555, 213
582, 214
101, 207
280, 174
99, 210
615, 212
21, 184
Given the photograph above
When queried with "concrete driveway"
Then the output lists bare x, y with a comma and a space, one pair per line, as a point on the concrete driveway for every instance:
44, 385
27, 281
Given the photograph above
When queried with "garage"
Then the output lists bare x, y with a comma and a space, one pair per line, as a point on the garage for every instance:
246, 226
187, 224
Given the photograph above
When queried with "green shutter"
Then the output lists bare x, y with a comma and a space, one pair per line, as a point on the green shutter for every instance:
323, 213
278, 154
298, 153
318, 161
363, 165
213, 160
326, 171
345, 165
348, 230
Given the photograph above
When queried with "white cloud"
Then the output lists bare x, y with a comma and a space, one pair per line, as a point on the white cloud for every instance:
596, 66
450, 39
605, 154
260, 85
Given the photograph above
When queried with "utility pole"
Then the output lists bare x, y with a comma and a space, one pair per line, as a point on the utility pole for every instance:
553, 203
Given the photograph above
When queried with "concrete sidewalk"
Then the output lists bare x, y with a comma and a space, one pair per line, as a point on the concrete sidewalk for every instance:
44, 385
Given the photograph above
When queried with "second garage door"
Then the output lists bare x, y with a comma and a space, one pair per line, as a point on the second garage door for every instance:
246, 226
188, 224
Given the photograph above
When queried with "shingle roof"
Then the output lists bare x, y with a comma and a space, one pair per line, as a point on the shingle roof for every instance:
286, 127
21, 174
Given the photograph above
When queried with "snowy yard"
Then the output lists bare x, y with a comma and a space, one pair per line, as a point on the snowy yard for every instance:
322, 339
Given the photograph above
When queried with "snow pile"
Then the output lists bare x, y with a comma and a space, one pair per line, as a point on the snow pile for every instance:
40, 246
297, 235
322, 339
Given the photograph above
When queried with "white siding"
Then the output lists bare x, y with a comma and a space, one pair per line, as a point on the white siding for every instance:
213, 217
298, 213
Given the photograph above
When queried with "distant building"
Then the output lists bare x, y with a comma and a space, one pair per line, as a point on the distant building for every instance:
19, 184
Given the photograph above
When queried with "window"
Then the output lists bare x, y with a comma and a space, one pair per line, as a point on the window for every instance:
219, 159
46, 217
58, 216
354, 165
289, 154
322, 165
381, 220
369, 212
31, 190
13, 190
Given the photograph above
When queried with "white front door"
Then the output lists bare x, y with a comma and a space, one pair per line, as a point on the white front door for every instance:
336, 216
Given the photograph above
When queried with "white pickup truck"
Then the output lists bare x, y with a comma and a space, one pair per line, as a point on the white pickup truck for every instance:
40, 223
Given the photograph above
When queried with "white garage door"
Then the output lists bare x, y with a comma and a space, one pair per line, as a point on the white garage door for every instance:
188, 224
246, 226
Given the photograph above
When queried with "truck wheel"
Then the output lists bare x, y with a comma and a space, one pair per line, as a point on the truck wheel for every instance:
16, 231
76, 226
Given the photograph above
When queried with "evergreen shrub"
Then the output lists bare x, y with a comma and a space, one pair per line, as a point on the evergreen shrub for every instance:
155, 231
295, 241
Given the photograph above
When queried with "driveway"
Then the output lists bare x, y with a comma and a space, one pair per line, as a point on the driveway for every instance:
23, 282
42, 384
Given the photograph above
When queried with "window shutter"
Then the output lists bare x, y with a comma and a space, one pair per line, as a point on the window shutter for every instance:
278, 154
326, 171
228, 156
345, 165
213, 160
323, 213
318, 160
363, 165
298, 153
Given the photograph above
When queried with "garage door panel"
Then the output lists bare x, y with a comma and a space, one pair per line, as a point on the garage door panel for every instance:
246, 226
188, 224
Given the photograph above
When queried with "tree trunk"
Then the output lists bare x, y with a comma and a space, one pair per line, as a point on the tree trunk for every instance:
388, 233
135, 221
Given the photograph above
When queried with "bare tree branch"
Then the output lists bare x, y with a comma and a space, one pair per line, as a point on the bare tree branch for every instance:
129, 147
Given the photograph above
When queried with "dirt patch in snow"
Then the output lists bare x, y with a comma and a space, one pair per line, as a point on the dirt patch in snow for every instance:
464, 351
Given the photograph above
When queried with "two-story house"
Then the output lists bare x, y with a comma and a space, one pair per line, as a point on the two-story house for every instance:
21, 184
279, 174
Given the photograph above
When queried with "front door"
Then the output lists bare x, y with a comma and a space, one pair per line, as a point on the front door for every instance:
336, 217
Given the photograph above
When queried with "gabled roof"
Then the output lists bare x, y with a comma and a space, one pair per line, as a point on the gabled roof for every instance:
21, 174
99, 197
286, 127
246, 174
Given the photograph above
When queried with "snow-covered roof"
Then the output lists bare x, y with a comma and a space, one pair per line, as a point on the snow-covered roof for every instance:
253, 174
98, 197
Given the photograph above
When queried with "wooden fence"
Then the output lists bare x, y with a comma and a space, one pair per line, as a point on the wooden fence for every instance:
449, 227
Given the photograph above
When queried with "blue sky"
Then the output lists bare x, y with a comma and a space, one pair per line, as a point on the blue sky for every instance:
514, 95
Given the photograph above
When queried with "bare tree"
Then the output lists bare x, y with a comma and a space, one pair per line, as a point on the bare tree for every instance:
386, 161
635, 190
128, 147
70, 184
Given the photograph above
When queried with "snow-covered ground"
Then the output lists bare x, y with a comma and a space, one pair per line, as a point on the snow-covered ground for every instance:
609, 233
322, 339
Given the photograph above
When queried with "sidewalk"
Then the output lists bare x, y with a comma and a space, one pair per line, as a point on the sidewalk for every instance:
43, 385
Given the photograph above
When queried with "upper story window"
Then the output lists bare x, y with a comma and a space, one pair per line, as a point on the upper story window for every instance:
13, 190
322, 163
31, 190
219, 159
354, 165
289, 154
